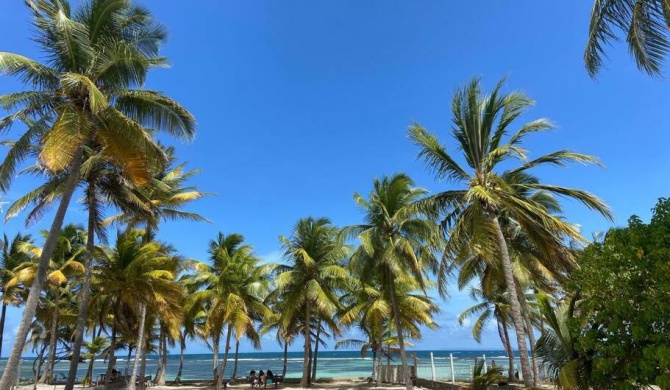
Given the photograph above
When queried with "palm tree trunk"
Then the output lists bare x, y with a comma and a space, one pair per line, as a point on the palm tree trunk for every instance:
283, 373
2, 324
89, 372
508, 348
53, 340
140, 344
517, 317
12, 367
409, 385
316, 351
112, 345
531, 338
224, 362
162, 361
374, 363
304, 382
143, 366
237, 352
182, 347
215, 354
379, 356
85, 293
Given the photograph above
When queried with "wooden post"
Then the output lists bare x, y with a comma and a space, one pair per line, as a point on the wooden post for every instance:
453, 375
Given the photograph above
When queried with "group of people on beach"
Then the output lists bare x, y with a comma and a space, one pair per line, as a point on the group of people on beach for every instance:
261, 378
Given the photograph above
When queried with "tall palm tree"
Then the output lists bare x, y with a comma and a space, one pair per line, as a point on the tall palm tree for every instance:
234, 288
472, 214
94, 59
645, 24
398, 239
13, 255
309, 284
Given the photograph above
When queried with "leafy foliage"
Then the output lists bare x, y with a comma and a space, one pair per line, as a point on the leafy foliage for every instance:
625, 313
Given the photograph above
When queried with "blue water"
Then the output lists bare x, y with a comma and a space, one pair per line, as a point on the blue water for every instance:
331, 364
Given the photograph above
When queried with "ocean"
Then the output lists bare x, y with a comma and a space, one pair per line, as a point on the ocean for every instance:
331, 364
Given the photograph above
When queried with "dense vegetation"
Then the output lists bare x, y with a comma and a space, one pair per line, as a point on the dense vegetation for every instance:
601, 310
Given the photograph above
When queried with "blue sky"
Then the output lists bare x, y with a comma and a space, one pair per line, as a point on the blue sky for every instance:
301, 103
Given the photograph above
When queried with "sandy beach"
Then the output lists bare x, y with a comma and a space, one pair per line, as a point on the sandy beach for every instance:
337, 385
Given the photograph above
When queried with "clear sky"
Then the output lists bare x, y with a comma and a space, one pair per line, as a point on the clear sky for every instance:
301, 103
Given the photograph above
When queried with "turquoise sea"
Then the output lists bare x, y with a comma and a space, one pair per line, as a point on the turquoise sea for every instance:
331, 364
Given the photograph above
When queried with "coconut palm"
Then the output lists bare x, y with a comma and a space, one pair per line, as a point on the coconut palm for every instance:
309, 284
397, 239
14, 254
285, 333
369, 309
94, 58
132, 275
66, 262
234, 289
491, 306
105, 185
472, 214
95, 347
645, 24
557, 347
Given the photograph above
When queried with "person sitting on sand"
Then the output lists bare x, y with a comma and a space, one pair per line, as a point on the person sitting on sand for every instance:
253, 379
269, 376
261, 377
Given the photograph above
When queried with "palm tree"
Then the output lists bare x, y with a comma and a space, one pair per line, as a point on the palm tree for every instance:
309, 284
85, 91
472, 215
397, 239
14, 254
491, 306
64, 264
645, 24
96, 346
369, 309
286, 333
234, 289
133, 275
557, 347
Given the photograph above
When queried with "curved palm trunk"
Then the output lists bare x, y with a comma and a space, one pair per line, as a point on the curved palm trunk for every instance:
517, 317
403, 355
283, 373
12, 367
304, 381
237, 353
2, 324
53, 340
316, 351
85, 294
224, 362
504, 337
182, 347
374, 363
140, 344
